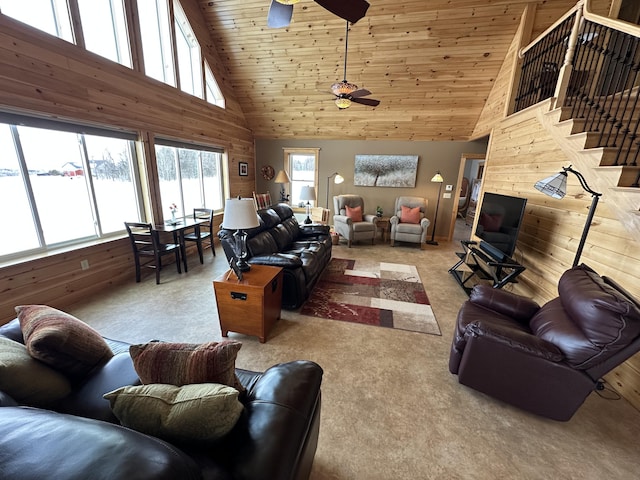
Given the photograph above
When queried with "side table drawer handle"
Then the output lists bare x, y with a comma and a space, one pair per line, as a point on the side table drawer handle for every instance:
238, 296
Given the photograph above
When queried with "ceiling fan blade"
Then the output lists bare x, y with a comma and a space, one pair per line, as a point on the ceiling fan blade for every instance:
366, 101
363, 92
350, 10
279, 15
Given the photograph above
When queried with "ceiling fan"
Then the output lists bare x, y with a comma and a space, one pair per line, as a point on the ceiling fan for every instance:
281, 11
347, 93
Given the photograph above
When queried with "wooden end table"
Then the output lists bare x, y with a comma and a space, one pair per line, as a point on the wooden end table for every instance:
383, 224
252, 305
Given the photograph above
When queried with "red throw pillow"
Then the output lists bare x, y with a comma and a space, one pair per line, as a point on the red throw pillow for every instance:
355, 214
410, 215
491, 223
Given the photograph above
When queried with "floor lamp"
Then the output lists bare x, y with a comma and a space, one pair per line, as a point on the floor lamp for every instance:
437, 178
556, 187
339, 179
307, 193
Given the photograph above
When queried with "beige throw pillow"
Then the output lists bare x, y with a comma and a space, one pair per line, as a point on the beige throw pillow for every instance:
200, 411
26, 380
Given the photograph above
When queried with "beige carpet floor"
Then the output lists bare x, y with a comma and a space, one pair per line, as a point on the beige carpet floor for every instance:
391, 409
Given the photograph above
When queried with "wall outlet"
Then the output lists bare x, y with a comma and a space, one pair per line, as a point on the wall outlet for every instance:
84, 264
446, 195
448, 188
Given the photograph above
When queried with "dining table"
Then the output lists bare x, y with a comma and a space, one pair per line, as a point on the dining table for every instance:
177, 228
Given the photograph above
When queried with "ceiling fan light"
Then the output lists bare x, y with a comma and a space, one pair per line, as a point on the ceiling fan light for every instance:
343, 102
343, 88
288, 2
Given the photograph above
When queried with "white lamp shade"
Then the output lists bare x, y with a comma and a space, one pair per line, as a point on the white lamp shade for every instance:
307, 193
437, 178
339, 179
555, 186
240, 214
282, 177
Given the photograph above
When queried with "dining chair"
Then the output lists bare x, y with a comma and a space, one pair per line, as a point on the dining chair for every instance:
203, 232
145, 243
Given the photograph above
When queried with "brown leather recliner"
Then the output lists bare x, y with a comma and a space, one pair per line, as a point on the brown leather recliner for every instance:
548, 359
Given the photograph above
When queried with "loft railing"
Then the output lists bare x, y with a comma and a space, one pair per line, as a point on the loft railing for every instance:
590, 65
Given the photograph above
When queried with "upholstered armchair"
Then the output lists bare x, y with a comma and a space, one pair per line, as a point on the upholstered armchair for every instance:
548, 359
350, 221
409, 224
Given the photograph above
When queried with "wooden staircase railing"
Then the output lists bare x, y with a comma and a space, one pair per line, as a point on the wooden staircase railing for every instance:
590, 66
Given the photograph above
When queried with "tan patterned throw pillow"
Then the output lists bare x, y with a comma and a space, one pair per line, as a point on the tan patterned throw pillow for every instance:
61, 340
202, 411
27, 380
184, 363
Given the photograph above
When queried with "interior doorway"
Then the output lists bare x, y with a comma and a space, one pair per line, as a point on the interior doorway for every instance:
468, 184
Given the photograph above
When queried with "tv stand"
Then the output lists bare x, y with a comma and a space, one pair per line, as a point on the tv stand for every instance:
482, 264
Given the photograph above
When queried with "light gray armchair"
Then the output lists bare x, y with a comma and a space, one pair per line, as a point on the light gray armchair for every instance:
403, 231
346, 227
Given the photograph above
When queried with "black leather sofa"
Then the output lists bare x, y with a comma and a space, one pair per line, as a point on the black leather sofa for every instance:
275, 438
302, 251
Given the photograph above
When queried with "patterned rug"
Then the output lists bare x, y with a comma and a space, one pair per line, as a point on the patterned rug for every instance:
382, 294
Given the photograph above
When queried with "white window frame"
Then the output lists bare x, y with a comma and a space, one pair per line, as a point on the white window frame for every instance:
288, 167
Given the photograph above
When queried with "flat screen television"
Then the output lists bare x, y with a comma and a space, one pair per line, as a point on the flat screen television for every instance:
499, 222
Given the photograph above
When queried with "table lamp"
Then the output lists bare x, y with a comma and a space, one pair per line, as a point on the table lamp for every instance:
556, 187
337, 180
437, 178
282, 178
239, 215
307, 193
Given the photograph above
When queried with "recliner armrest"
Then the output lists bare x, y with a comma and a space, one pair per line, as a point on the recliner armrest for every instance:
516, 340
370, 218
515, 306
342, 219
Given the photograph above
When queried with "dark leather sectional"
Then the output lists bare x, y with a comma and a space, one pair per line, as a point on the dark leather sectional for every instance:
275, 438
302, 251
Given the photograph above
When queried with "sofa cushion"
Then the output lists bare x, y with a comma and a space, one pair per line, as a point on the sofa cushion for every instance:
261, 244
410, 215
184, 363
38, 444
61, 340
195, 412
355, 213
27, 380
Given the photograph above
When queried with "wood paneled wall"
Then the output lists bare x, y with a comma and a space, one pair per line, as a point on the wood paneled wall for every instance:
45, 76
520, 153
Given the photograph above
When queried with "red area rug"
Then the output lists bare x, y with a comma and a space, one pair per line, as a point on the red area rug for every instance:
372, 293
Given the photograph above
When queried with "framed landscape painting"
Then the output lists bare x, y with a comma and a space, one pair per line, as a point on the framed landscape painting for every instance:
385, 170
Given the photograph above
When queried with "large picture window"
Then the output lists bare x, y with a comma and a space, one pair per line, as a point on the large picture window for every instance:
190, 176
156, 40
104, 28
302, 166
51, 16
62, 186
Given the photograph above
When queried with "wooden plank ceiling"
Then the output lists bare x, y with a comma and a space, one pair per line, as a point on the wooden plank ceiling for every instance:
431, 63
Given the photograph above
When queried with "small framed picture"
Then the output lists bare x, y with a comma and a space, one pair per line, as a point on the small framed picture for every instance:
243, 169
235, 268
